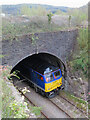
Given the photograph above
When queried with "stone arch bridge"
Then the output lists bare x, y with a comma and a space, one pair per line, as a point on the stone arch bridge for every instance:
51, 46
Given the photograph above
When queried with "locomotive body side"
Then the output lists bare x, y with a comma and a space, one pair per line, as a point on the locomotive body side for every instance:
35, 78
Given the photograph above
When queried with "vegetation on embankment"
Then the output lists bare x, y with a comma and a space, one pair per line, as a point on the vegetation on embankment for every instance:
78, 71
79, 61
10, 107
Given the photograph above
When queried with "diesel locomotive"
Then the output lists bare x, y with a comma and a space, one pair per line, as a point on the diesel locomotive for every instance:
43, 76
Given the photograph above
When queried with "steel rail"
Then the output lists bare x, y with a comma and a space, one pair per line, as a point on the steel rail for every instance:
60, 108
32, 103
50, 101
27, 97
74, 105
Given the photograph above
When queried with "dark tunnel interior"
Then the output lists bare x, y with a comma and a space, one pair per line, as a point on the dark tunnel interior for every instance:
30, 61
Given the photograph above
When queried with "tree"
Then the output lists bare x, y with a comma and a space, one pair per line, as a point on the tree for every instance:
69, 20
33, 11
49, 17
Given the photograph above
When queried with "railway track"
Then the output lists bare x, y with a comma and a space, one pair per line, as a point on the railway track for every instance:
73, 105
32, 103
62, 102
60, 108
26, 96
53, 101
20, 90
38, 106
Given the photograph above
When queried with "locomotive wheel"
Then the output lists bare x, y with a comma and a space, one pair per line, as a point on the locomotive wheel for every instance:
31, 85
57, 92
36, 89
51, 94
43, 93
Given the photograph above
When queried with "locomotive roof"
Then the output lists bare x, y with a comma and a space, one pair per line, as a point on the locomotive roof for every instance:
42, 66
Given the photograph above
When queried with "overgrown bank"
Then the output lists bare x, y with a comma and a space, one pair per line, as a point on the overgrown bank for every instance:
80, 56
78, 67
12, 104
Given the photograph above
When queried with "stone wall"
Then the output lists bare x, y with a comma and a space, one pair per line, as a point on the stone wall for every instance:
59, 44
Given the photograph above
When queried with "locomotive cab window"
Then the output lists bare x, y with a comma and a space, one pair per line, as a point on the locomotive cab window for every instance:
40, 77
49, 77
56, 74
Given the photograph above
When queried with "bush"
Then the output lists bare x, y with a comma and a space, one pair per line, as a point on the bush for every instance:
80, 60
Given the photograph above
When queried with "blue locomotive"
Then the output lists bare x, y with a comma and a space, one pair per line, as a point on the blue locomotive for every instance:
43, 76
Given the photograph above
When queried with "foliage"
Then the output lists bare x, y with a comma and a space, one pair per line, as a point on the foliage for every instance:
33, 11
49, 17
1, 56
34, 39
9, 29
69, 20
10, 107
18, 109
80, 61
78, 15
37, 24
36, 110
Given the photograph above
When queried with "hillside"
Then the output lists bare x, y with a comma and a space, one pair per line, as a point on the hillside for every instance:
13, 9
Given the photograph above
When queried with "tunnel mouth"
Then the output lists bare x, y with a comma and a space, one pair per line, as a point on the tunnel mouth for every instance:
35, 60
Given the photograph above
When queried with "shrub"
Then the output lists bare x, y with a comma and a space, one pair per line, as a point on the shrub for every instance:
80, 61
